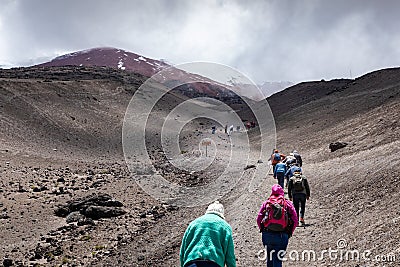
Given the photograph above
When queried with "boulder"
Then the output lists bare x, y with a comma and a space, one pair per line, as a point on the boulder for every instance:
74, 217
86, 221
62, 211
97, 212
94, 206
337, 145
7, 262
249, 167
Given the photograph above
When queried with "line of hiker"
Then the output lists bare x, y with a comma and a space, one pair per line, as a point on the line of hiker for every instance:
230, 129
278, 217
289, 168
208, 241
285, 166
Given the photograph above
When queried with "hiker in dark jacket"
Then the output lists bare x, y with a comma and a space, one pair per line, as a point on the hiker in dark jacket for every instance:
298, 158
299, 193
290, 160
290, 171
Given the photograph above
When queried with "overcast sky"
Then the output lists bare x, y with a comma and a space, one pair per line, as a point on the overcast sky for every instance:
274, 40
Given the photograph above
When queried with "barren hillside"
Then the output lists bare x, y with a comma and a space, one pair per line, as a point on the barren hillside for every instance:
61, 140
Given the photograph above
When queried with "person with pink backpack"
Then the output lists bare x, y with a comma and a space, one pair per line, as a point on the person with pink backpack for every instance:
277, 220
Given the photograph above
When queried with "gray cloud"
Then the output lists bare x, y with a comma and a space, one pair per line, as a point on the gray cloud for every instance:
267, 40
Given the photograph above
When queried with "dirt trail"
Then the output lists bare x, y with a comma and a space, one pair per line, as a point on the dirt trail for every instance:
241, 208
327, 225
241, 211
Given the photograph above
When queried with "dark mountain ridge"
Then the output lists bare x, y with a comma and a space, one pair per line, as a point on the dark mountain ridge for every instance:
306, 92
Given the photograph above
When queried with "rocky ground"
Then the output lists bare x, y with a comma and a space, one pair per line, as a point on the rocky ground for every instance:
60, 153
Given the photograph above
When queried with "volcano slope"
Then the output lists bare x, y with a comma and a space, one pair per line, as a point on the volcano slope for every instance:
66, 123
61, 140
351, 186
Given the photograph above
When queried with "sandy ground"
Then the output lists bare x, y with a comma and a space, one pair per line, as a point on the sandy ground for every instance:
59, 145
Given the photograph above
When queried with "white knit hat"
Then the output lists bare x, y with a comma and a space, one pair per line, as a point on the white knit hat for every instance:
216, 208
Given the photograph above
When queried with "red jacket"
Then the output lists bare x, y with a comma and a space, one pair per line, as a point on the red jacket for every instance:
273, 161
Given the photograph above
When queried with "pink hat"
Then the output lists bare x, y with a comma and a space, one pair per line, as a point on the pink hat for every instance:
277, 190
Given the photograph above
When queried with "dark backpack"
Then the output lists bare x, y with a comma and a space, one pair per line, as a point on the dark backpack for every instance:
276, 216
298, 158
298, 183
277, 157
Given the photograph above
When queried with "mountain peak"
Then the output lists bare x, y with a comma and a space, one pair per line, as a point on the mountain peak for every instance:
109, 57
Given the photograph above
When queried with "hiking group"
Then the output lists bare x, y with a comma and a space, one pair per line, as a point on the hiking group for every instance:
290, 167
229, 130
208, 241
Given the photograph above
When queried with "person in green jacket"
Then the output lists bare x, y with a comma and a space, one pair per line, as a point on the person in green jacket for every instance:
208, 241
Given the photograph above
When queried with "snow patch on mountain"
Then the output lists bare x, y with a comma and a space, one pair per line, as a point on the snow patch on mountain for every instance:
121, 64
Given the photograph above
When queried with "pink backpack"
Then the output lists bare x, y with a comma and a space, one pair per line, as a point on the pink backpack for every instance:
276, 216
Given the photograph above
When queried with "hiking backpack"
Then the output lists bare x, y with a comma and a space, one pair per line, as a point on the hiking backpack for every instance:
298, 183
276, 157
276, 216
280, 167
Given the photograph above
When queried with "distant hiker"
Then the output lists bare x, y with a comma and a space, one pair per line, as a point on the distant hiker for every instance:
238, 128
298, 157
276, 157
248, 125
208, 241
230, 131
226, 128
279, 173
213, 129
299, 192
277, 221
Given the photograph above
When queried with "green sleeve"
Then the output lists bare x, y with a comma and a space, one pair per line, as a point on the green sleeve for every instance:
230, 254
182, 250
